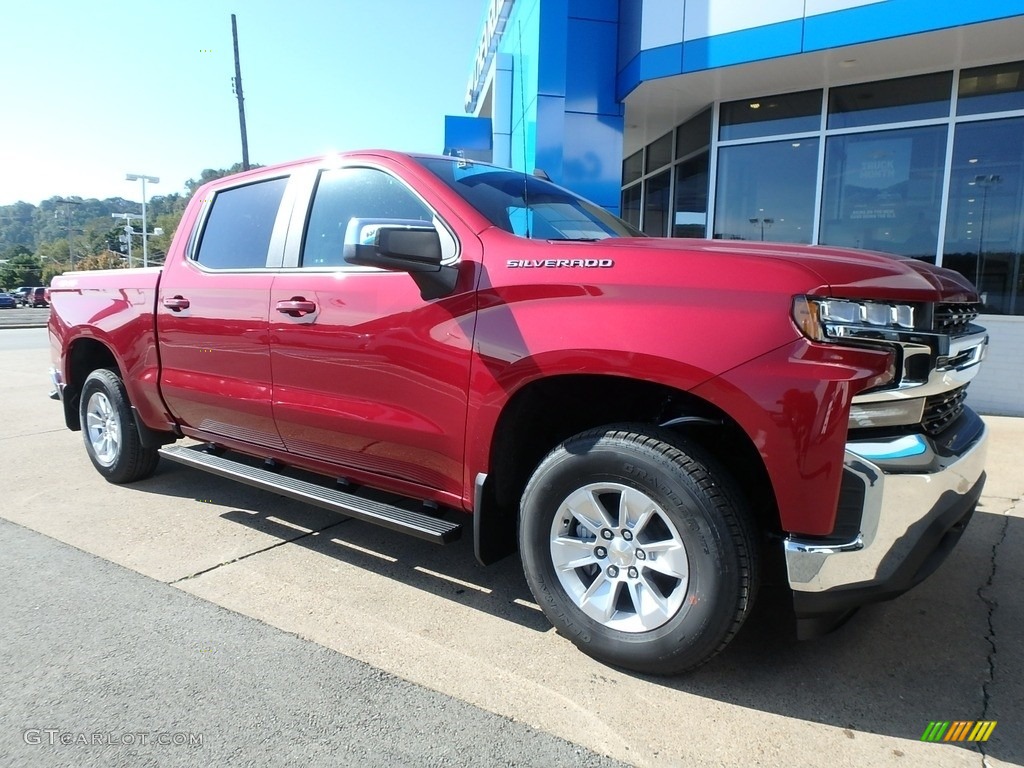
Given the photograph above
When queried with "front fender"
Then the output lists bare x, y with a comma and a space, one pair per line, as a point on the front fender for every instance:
794, 404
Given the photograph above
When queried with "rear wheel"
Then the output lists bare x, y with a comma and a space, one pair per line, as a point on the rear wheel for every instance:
108, 427
638, 548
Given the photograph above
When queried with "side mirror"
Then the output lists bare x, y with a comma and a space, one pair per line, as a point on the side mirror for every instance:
401, 245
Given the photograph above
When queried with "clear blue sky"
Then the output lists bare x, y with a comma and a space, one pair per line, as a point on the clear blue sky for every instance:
91, 91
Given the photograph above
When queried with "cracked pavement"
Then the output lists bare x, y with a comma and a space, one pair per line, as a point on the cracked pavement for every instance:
950, 649
1002, 695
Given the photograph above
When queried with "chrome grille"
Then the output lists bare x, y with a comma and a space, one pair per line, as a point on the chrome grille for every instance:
954, 319
942, 410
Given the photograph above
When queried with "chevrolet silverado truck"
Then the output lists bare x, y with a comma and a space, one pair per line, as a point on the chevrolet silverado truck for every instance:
657, 425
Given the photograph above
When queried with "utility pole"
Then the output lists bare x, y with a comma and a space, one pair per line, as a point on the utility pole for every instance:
67, 211
238, 93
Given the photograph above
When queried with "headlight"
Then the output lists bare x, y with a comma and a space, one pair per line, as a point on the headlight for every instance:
823, 319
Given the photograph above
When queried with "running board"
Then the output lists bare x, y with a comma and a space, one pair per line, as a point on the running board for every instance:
377, 513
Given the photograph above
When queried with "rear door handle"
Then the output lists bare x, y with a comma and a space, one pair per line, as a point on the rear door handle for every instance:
176, 303
296, 307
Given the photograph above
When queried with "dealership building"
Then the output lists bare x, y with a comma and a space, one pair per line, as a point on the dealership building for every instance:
893, 125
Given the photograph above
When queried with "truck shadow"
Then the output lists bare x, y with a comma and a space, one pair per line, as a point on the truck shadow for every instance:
937, 653
449, 571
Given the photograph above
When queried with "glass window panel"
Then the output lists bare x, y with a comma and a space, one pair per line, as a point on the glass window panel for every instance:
656, 204
633, 167
691, 211
766, 191
631, 205
659, 153
238, 228
883, 191
985, 215
770, 115
890, 101
694, 134
998, 88
344, 194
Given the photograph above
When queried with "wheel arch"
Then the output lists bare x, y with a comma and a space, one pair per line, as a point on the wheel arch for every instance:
545, 412
84, 355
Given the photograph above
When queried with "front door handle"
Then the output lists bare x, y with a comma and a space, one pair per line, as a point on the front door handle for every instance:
176, 303
296, 307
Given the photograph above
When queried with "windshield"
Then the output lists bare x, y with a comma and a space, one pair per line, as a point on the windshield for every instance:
525, 205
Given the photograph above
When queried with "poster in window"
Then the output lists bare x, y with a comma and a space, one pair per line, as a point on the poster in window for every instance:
876, 177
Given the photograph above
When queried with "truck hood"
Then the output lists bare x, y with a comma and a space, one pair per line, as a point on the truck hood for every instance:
840, 272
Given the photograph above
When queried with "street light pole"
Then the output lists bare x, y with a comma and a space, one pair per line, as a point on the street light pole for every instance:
127, 218
985, 181
762, 221
145, 231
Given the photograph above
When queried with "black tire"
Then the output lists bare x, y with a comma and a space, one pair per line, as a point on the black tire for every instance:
109, 429
650, 615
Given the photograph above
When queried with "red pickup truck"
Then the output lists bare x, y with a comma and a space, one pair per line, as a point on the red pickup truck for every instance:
657, 425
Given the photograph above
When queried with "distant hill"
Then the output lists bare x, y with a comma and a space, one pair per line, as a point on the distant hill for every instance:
34, 239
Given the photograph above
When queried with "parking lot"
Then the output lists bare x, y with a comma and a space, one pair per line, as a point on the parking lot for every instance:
863, 695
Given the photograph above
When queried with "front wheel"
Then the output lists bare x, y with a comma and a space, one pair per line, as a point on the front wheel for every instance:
108, 426
638, 548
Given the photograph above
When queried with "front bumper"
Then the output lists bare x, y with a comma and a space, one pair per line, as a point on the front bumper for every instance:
916, 495
57, 382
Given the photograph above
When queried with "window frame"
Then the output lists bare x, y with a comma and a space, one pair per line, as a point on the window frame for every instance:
835, 139
873, 122
275, 245
307, 181
676, 160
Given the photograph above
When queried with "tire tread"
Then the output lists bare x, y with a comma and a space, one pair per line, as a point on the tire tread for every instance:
720, 491
135, 462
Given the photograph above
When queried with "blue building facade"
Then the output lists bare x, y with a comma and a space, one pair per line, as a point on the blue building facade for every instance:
894, 125
544, 77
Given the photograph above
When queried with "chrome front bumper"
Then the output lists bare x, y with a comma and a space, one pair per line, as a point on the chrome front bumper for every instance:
918, 494
57, 381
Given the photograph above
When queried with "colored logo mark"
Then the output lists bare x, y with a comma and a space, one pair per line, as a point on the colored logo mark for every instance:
958, 730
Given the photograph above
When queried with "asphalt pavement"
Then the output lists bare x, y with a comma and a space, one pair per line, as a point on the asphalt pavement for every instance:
106, 667
206, 606
24, 317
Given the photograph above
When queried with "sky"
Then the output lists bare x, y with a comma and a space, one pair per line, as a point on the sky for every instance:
90, 92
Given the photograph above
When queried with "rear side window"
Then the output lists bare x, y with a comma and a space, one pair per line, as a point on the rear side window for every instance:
238, 228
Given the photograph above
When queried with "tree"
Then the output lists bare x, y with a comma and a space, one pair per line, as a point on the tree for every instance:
16, 225
103, 260
21, 270
163, 205
51, 270
12, 252
53, 251
47, 228
160, 244
209, 174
